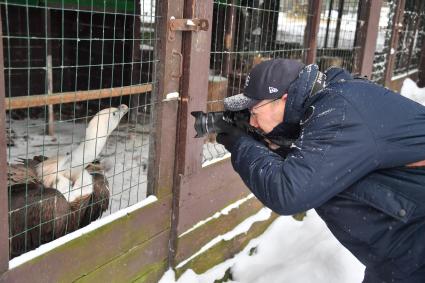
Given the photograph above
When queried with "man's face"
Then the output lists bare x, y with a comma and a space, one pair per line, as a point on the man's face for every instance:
267, 114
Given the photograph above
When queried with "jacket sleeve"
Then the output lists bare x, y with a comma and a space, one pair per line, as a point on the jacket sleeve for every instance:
335, 150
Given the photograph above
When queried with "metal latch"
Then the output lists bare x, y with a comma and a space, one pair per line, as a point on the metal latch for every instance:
186, 25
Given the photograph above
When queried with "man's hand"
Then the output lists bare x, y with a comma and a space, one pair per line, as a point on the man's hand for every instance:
227, 134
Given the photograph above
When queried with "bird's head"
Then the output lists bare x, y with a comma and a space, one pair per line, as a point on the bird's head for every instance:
106, 120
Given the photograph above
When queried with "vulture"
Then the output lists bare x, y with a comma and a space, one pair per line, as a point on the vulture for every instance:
50, 197
67, 173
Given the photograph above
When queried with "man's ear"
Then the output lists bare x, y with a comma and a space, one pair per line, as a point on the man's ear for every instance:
284, 97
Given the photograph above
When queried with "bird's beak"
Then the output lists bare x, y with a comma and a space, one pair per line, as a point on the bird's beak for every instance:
123, 109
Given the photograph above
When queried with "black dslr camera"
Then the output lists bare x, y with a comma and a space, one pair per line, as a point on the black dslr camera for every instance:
205, 123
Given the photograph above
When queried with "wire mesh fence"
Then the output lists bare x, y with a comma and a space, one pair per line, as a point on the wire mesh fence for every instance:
246, 33
383, 40
408, 51
78, 82
337, 34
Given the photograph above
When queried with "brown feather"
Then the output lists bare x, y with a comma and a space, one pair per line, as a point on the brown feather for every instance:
21, 174
37, 215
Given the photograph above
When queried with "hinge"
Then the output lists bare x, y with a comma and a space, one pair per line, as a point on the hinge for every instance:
186, 25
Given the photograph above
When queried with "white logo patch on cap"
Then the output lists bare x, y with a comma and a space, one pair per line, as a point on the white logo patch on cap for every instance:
273, 89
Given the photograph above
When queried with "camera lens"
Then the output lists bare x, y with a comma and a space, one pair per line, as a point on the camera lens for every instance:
204, 122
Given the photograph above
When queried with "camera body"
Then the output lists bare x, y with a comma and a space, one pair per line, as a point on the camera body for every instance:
206, 123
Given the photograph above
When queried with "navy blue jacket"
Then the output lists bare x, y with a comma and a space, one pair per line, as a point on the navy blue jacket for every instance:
349, 163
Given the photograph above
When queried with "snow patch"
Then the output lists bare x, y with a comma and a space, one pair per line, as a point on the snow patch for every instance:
172, 96
215, 160
288, 251
224, 211
410, 90
405, 74
243, 227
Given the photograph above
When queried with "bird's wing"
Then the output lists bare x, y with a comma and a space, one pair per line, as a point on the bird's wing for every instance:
37, 215
49, 169
98, 202
21, 174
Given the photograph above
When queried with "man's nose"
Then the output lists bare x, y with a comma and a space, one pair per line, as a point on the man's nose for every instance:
253, 121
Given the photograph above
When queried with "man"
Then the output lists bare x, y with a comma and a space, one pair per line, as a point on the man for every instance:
349, 160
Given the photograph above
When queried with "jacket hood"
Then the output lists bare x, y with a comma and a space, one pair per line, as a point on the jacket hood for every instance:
300, 90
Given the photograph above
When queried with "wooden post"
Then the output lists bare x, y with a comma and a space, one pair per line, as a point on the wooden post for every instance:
338, 23
4, 223
136, 63
421, 76
397, 26
228, 38
164, 113
194, 97
311, 30
325, 45
49, 69
38, 100
367, 34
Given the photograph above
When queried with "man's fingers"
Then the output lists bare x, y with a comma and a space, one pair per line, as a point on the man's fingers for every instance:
222, 126
220, 138
416, 164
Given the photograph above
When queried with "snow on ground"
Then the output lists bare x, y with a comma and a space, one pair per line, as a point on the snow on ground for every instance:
124, 156
412, 91
288, 251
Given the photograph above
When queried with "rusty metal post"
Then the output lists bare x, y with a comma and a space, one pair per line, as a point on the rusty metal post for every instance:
4, 223
312, 30
396, 28
367, 34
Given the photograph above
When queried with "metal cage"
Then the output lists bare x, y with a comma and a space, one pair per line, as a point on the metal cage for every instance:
70, 67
